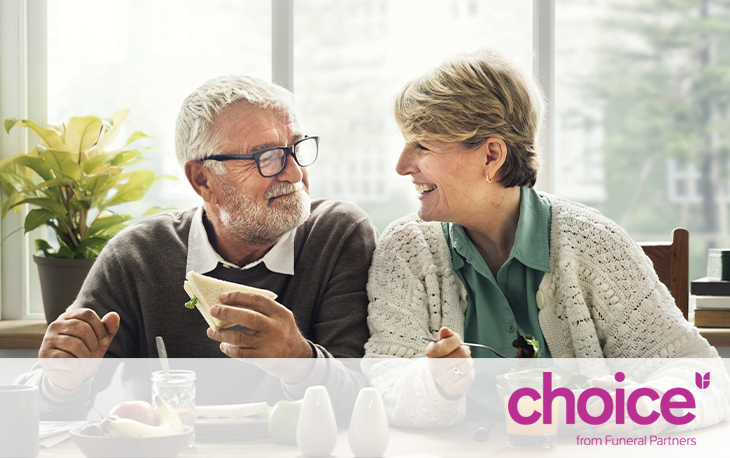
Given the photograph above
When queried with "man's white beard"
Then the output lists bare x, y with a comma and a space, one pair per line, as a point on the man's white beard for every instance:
242, 216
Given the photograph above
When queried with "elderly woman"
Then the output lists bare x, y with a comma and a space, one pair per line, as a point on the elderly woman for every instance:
489, 258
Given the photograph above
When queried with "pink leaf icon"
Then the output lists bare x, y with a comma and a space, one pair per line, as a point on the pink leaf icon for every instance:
702, 381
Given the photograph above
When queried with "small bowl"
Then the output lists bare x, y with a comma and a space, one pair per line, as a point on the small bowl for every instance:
131, 447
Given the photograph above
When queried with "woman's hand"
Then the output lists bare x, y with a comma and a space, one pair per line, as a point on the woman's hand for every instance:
450, 363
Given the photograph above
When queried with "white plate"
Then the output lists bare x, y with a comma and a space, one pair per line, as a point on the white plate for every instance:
226, 427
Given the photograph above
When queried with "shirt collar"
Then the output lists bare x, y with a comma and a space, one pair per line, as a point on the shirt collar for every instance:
532, 240
202, 257
532, 245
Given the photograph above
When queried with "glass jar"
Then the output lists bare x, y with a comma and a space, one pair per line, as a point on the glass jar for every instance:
177, 389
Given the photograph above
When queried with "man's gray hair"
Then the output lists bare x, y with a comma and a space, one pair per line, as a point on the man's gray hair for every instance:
195, 137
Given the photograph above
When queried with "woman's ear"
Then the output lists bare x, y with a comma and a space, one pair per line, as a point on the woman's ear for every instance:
201, 179
495, 153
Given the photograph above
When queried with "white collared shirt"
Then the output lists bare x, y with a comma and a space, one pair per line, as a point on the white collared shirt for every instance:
202, 257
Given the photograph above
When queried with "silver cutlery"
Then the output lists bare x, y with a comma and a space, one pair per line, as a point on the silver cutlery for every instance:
467, 344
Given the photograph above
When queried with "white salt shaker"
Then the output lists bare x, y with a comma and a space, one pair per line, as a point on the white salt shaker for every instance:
316, 428
369, 434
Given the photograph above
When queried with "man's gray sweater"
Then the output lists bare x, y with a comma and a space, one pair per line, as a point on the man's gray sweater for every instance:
141, 272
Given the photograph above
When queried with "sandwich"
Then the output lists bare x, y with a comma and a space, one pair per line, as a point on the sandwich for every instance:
233, 411
205, 291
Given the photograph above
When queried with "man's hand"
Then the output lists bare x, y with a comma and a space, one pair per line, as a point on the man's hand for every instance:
450, 364
73, 345
272, 333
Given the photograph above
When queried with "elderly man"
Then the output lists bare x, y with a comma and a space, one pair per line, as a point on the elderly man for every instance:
245, 154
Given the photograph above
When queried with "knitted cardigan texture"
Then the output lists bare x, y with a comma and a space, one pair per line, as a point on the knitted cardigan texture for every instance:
602, 299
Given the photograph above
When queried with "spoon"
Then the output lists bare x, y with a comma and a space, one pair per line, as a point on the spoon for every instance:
466, 344
162, 353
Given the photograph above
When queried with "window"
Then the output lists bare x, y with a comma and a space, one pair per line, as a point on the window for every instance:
103, 56
642, 116
350, 60
148, 59
640, 120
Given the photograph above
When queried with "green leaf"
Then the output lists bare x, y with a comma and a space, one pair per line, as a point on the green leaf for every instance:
191, 303
9, 123
112, 231
106, 222
11, 202
65, 253
166, 177
49, 204
133, 189
37, 164
62, 162
37, 218
8, 189
129, 157
91, 243
157, 210
5, 163
535, 345
45, 247
49, 136
50, 184
98, 185
19, 182
97, 163
82, 133
136, 136
108, 136
76, 204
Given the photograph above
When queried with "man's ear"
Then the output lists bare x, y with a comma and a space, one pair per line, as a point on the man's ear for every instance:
495, 153
201, 179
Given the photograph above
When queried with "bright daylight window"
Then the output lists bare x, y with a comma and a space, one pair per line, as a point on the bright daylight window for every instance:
147, 56
641, 116
641, 91
350, 60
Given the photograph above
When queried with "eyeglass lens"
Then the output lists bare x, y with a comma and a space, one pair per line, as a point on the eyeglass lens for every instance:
273, 161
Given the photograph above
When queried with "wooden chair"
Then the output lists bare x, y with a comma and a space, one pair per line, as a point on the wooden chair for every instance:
671, 263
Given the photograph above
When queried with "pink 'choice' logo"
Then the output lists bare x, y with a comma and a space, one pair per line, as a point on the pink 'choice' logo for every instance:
622, 406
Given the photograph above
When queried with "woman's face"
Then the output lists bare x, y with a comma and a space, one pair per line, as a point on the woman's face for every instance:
447, 177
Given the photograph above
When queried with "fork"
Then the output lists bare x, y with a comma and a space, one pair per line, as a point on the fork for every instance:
467, 344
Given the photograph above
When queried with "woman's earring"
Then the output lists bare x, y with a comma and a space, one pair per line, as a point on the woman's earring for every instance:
488, 179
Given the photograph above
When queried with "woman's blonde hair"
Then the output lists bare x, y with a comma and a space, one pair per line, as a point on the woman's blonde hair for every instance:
470, 98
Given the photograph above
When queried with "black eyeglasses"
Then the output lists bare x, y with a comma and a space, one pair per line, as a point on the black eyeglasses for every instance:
272, 161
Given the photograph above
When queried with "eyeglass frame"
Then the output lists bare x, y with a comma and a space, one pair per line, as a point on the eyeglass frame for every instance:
288, 150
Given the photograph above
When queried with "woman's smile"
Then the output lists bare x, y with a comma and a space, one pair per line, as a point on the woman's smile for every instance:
424, 189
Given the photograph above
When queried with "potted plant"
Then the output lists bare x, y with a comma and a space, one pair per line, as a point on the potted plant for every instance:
70, 182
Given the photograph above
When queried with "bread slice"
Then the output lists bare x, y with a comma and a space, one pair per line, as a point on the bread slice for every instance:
208, 291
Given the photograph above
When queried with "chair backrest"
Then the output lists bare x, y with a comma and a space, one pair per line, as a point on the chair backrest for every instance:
671, 263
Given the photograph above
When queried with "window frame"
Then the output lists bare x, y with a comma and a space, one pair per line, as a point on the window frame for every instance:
23, 93
23, 27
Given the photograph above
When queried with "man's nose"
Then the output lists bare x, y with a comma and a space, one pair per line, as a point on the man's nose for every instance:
292, 172
405, 165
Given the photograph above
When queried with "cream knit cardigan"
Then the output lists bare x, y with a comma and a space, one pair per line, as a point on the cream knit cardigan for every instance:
602, 299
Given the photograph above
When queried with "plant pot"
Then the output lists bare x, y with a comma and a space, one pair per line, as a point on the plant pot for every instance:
61, 280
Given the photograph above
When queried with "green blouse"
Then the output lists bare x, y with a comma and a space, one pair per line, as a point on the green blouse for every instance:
499, 310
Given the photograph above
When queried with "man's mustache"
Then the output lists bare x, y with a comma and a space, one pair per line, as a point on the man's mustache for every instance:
282, 188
